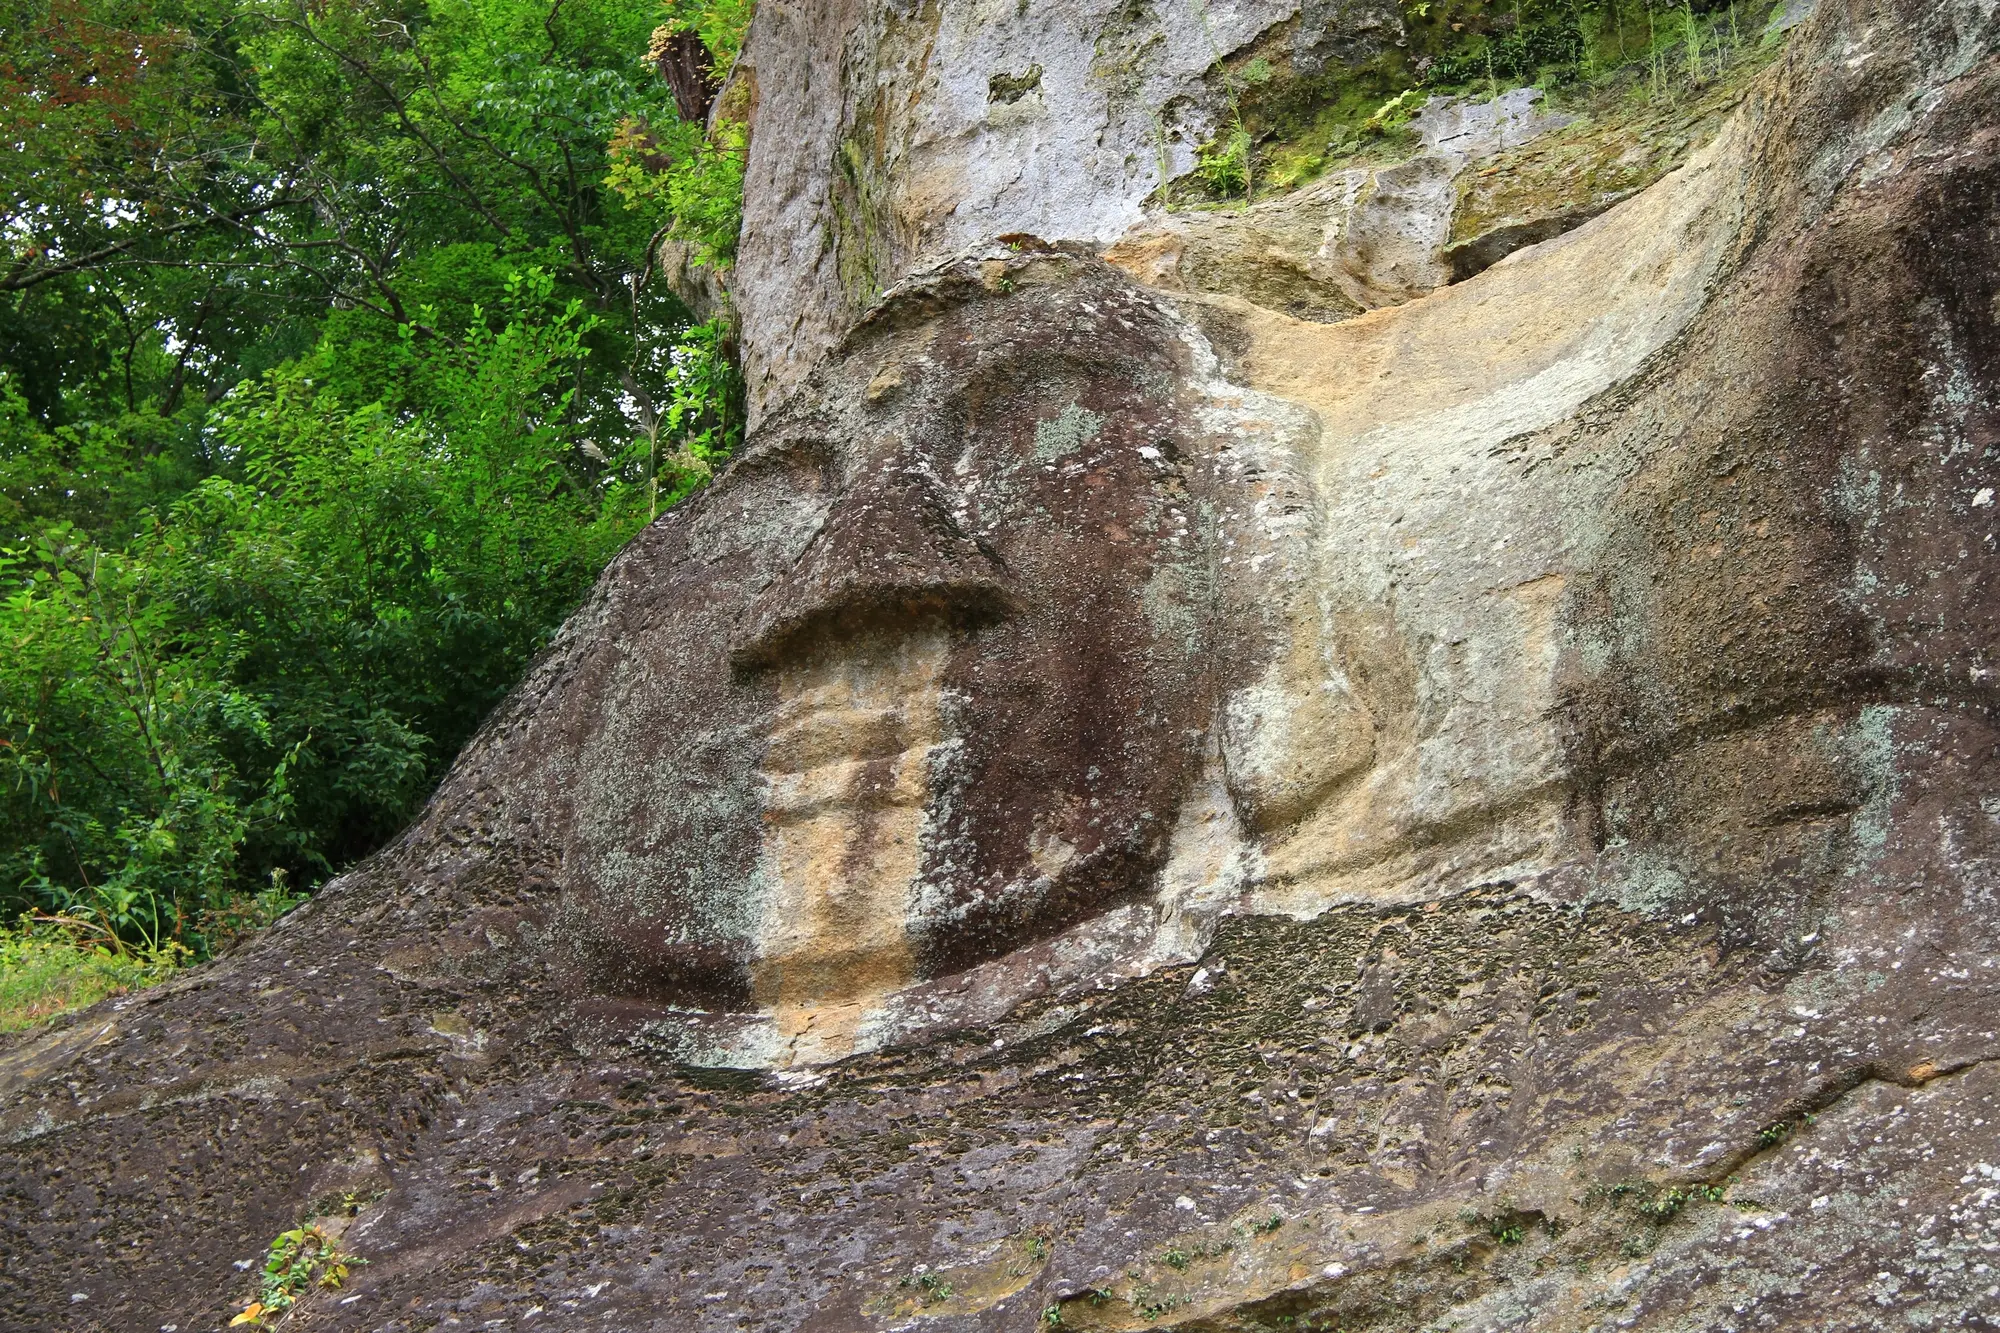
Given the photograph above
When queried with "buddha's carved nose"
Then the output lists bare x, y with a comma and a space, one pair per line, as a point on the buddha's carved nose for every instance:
890, 556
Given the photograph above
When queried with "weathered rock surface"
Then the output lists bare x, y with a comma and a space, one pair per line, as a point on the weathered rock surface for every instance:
1129, 808
887, 136
1356, 239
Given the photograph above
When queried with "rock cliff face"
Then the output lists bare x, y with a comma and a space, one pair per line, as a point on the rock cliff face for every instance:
900, 133
1182, 786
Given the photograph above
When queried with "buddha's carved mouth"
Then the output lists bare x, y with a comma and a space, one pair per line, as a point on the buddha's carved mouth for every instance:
828, 757
846, 775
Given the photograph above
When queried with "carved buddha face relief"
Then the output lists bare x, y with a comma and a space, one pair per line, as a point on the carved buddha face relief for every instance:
1018, 629
1018, 617
970, 684
986, 670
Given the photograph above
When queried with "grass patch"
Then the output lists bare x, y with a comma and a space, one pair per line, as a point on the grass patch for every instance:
51, 966
52, 963
1285, 128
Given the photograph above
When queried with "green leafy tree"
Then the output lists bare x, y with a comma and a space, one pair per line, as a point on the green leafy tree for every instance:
334, 364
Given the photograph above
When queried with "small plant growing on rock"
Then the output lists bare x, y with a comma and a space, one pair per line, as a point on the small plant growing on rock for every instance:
298, 1261
930, 1288
1034, 1250
1152, 1308
1665, 1204
1224, 166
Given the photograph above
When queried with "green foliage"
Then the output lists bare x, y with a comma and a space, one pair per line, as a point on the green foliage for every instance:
1224, 166
331, 373
1665, 1204
49, 966
258, 683
298, 1261
720, 24
679, 171
1151, 1306
930, 1289
1514, 56
1481, 46
688, 176
1662, 1203
696, 423
119, 808
1298, 124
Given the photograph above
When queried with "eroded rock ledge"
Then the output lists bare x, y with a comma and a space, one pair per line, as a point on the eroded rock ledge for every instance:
1135, 809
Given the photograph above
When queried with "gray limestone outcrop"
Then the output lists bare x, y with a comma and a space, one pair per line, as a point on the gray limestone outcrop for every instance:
1354, 240
897, 134
1131, 806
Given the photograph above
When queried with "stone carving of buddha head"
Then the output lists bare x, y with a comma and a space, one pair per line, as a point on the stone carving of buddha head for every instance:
925, 678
